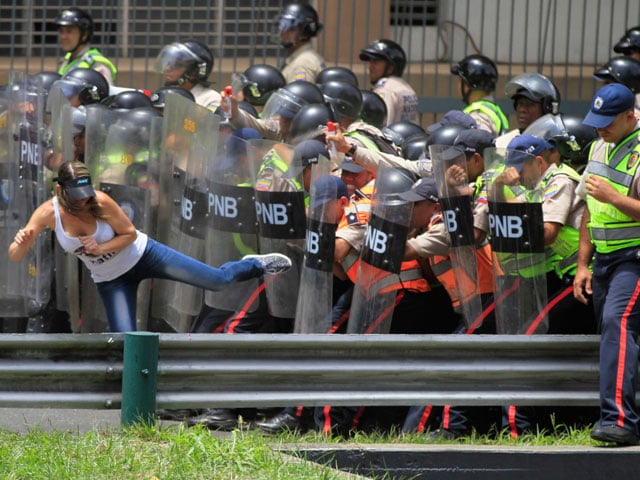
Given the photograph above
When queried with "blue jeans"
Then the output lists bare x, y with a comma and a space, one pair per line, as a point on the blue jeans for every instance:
159, 261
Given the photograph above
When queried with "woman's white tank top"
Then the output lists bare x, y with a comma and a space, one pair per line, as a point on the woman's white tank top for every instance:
110, 265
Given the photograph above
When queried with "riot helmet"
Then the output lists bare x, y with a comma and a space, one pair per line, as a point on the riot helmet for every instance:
414, 147
340, 74
44, 80
478, 72
194, 57
374, 110
79, 18
300, 16
128, 100
392, 183
397, 132
387, 50
445, 135
575, 145
158, 98
310, 121
258, 82
537, 88
85, 83
624, 70
630, 41
288, 100
344, 99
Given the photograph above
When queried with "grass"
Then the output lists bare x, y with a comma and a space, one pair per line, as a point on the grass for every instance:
148, 453
162, 452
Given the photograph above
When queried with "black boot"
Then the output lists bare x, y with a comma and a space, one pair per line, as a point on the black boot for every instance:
216, 419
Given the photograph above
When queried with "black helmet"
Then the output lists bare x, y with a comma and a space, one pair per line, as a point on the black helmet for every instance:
629, 41
624, 70
158, 98
340, 74
44, 80
301, 16
478, 72
413, 147
344, 99
388, 50
129, 99
397, 132
374, 110
445, 135
288, 100
310, 121
79, 18
192, 55
537, 88
575, 145
258, 82
89, 85
391, 183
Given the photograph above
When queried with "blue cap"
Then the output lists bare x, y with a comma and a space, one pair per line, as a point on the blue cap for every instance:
474, 140
308, 152
327, 188
524, 147
607, 103
423, 189
236, 143
350, 166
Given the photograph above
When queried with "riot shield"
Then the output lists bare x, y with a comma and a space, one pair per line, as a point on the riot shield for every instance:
280, 210
189, 142
313, 310
30, 278
379, 269
60, 127
517, 241
450, 174
232, 230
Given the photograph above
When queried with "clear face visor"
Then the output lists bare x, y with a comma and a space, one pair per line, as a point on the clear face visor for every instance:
174, 56
547, 127
282, 104
240, 83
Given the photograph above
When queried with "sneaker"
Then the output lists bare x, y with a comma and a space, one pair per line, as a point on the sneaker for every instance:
272, 263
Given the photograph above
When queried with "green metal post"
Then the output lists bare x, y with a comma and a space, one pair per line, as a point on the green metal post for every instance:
139, 377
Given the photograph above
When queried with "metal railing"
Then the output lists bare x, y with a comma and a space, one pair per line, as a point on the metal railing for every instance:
260, 370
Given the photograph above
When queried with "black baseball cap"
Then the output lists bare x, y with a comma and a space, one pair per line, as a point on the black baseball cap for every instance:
78, 188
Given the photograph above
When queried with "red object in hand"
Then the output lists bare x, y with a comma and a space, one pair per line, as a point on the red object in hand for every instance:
331, 128
228, 91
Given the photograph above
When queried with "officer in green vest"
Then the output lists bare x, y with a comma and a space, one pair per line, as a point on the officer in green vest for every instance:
610, 235
75, 28
478, 77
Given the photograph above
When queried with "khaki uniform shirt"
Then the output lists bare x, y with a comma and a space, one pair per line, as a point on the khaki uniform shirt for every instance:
303, 64
435, 241
503, 140
205, 96
400, 98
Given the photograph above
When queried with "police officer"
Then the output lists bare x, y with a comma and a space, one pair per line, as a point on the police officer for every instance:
624, 70
188, 65
75, 27
608, 235
386, 62
374, 110
533, 95
83, 86
478, 76
297, 24
256, 84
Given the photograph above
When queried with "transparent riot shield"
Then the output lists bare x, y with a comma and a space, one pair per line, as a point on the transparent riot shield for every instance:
313, 311
280, 210
31, 277
189, 142
118, 154
517, 241
232, 231
379, 269
450, 174
60, 127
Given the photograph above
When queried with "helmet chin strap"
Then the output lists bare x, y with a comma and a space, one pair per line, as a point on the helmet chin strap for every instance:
465, 92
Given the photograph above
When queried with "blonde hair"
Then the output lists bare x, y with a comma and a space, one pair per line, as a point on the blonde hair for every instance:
70, 171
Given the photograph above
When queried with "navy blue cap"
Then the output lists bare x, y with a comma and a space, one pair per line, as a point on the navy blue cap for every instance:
308, 152
79, 188
525, 147
327, 188
423, 189
236, 143
454, 117
474, 140
350, 166
607, 103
